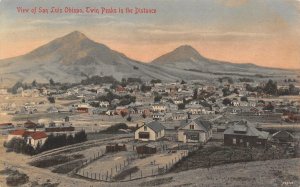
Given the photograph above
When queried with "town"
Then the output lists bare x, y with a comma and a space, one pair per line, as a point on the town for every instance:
109, 131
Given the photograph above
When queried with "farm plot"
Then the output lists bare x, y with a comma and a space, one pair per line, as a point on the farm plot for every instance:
108, 166
155, 164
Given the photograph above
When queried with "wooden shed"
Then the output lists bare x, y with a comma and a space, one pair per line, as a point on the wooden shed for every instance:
115, 148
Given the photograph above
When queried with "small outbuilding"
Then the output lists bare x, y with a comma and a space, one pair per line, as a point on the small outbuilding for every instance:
282, 137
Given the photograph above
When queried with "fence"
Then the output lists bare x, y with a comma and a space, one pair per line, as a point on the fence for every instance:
123, 172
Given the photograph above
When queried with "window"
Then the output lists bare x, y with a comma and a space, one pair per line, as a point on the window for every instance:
144, 135
241, 140
234, 141
192, 127
145, 128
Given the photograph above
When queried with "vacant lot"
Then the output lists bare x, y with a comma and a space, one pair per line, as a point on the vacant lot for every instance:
219, 155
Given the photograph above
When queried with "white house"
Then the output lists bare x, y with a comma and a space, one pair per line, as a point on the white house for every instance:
159, 107
36, 138
196, 130
30, 137
104, 104
150, 132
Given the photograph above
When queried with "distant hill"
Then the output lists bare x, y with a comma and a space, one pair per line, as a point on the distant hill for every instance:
67, 58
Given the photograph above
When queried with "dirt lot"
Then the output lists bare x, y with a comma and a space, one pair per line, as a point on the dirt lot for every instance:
212, 155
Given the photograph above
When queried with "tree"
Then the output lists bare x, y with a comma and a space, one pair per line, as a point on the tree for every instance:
80, 136
270, 88
51, 82
195, 95
269, 107
51, 99
70, 139
236, 91
157, 98
293, 90
129, 118
226, 101
34, 83
226, 92
154, 81
144, 115
123, 114
15, 87
183, 82
181, 106
213, 100
244, 98
145, 88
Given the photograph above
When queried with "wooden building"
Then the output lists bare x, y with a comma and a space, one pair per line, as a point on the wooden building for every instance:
242, 133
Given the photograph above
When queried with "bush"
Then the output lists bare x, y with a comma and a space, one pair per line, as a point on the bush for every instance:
181, 106
129, 118
17, 179
226, 101
116, 127
19, 145
244, 99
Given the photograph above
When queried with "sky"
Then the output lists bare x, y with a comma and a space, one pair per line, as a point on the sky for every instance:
263, 32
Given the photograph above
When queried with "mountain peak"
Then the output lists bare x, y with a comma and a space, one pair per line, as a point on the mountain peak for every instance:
75, 35
180, 54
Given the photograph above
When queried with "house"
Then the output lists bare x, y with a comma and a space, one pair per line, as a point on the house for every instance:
115, 148
36, 138
120, 89
104, 104
158, 107
6, 125
179, 115
82, 108
146, 149
30, 125
150, 132
194, 131
242, 133
158, 116
32, 138
121, 110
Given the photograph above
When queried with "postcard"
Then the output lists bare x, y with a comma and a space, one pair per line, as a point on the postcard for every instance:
149, 93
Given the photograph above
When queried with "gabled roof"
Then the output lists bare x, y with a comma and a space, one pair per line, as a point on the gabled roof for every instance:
28, 122
283, 135
239, 129
5, 124
207, 125
155, 126
38, 135
21, 132
35, 135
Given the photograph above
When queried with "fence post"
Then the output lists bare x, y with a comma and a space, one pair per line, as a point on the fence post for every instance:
106, 175
141, 174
